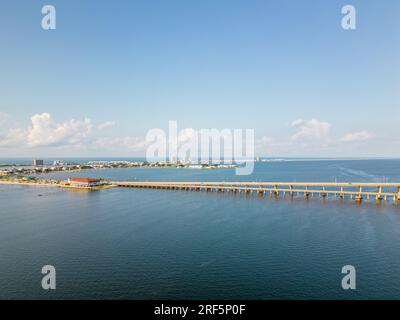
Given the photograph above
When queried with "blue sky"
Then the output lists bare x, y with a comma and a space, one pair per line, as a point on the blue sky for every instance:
283, 68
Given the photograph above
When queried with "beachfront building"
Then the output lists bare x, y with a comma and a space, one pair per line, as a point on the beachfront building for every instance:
38, 163
84, 182
58, 163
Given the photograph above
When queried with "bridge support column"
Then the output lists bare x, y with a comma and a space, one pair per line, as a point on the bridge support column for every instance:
379, 194
306, 193
276, 192
324, 194
359, 197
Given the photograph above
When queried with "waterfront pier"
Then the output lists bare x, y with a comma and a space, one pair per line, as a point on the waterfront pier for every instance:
357, 191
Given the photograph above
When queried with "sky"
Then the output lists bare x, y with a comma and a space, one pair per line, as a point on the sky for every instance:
113, 70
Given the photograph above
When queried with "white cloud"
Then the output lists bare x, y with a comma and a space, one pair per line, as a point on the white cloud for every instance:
310, 129
357, 136
45, 132
107, 124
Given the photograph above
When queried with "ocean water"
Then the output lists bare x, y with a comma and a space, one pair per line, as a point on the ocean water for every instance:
161, 244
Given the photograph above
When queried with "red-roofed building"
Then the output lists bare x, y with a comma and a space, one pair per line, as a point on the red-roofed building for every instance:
84, 182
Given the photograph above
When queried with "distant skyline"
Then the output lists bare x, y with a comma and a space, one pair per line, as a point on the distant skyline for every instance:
112, 70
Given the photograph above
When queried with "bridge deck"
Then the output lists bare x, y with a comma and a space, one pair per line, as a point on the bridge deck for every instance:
358, 190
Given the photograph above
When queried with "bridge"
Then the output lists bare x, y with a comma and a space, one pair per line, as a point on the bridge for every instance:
358, 191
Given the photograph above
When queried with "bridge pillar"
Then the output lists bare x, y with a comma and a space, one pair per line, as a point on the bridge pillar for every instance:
306, 193
359, 197
379, 194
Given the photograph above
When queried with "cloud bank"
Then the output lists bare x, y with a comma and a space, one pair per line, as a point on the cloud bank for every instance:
357, 136
310, 129
310, 137
45, 132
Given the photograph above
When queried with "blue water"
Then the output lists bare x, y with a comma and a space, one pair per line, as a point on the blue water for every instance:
159, 244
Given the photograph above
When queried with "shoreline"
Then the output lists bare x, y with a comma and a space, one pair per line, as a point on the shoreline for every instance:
48, 169
56, 185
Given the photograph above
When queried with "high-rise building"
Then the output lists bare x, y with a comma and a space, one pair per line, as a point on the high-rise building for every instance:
38, 163
58, 163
